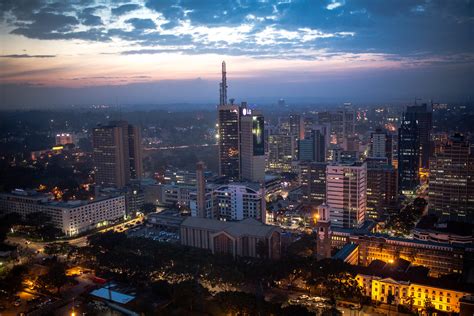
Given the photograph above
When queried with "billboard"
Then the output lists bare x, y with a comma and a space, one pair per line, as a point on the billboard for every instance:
258, 128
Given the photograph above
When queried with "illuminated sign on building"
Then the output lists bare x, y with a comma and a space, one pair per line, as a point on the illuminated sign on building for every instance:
258, 127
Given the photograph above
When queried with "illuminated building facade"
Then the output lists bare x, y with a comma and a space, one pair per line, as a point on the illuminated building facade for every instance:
451, 185
313, 182
342, 123
252, 146
231, 202
408, 154
64, 139
228, 140
346, 194
280, 153
381, 145
382, 192
117, 154
73, 217
440, 258
414, 294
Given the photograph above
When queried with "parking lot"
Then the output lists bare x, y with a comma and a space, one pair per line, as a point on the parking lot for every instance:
154, 233
311, 302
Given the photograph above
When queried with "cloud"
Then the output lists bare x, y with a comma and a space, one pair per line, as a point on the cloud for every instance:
252, 27
27, 56
121, 10
334, 5
141, 23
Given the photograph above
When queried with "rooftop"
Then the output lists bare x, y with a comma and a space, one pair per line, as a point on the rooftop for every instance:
246, 227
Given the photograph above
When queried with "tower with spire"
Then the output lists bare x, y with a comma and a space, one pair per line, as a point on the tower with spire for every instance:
223, 86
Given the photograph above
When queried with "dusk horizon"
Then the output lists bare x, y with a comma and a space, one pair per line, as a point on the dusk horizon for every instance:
156, 52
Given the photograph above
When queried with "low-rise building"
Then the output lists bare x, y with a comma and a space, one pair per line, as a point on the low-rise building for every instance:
72, 217
415, 294
246, 238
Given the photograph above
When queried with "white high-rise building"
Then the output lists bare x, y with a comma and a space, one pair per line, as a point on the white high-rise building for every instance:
381, 145
346, 194
232, 202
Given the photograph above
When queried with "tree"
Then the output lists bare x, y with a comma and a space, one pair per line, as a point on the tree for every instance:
410, 301
7, 221
12, 282
429, 307
55, 277
295, 310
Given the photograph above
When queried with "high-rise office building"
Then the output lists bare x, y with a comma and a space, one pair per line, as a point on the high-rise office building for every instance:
135, 151
296, 126
382, 192
241, 138
313, 147
252, 146
408, 153
346, 187
381, 145
228, 132
313, 182
423, 116
280, 149
342, 123
451, 185
228, 140
117, 154
233, 201
414, 146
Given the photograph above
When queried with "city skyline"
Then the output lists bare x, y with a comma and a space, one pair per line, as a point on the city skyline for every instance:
150, 52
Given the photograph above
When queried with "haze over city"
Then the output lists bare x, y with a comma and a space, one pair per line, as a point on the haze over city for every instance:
155, 52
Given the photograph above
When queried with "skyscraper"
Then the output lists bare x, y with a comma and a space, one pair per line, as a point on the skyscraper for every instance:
346, 187
408, 153
135, 151
228, 132
228, 140
382, 190
223, 86
296, 126
280, 149
117, 154
342, 123
313, 147
381, 145
241, 138
423, 115
451, 185
252, 146
313, 182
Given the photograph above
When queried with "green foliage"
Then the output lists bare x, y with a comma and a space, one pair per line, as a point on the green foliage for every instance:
12, 281
55, 277
303, 247
7, 221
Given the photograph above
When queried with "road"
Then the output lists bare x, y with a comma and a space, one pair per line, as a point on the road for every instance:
38, 246
178, 147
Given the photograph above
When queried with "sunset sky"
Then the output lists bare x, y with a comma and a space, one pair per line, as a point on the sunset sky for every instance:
80, 52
